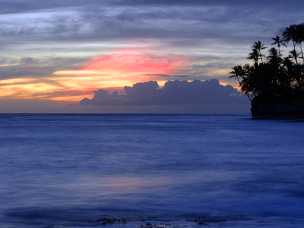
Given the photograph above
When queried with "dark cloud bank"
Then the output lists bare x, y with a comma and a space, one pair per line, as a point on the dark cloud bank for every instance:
207, 97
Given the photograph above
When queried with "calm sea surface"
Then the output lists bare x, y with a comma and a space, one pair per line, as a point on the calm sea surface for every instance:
73, 170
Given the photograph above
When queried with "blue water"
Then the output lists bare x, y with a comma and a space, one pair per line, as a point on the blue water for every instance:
70, 170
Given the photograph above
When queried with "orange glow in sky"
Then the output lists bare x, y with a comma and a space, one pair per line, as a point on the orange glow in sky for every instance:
113, 70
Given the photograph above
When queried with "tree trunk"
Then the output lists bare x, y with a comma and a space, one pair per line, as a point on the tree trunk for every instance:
295, 52
302, 52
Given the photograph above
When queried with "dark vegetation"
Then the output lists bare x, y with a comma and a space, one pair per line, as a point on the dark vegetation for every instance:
274, 81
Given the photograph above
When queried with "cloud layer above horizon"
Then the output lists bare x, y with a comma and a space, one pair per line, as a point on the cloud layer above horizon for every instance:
65, 50
174, 97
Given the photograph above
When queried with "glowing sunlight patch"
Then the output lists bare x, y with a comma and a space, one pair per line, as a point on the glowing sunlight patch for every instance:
113, 70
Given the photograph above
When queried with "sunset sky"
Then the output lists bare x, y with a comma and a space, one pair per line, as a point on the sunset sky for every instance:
65, 50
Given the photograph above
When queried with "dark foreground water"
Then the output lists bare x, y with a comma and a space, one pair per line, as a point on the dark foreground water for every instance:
90, 170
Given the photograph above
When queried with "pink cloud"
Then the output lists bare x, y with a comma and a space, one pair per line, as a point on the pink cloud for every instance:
131, 61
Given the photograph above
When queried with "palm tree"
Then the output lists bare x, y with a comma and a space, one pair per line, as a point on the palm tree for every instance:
274, 78
288, 65
300, 38
290, 34
237, 73
279, 42
241, 74
295, 55
253, 55
274, 57
256, 53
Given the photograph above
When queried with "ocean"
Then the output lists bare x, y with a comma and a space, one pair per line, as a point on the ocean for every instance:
150, 171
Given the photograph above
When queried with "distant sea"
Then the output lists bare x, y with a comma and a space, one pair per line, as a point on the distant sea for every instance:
132, 170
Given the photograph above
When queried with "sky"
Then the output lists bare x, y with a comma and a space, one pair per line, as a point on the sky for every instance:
57, 53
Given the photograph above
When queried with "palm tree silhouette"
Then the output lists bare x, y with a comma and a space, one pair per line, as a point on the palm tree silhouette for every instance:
300, 38
237, 73
257, 52
279, 42
240, 73
294, 54
274, 57
291, 34
274, 79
